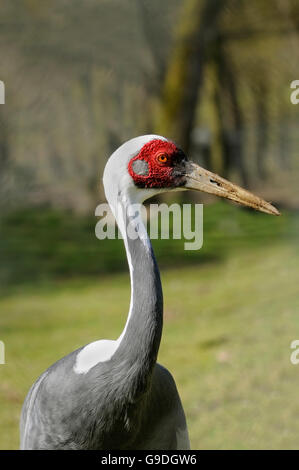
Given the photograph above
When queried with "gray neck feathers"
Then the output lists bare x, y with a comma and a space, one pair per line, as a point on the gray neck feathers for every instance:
140, 342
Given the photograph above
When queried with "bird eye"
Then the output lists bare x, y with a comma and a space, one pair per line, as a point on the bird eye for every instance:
162, 158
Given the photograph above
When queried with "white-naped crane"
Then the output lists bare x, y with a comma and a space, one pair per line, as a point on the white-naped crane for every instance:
114, 394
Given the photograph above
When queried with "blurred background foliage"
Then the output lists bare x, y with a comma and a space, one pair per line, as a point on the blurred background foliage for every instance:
214, 75
81, 78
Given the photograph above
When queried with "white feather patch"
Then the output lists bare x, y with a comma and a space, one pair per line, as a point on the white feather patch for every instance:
93, 353
120, 192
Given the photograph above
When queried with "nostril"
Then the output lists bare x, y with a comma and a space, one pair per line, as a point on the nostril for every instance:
215, 182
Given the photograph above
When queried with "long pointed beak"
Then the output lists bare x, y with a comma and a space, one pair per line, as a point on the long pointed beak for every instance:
203, 180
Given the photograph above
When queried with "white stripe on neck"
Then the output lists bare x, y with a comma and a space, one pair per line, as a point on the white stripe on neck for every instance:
103, 350
121, 191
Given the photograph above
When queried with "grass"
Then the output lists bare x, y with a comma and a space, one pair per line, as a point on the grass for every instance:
43, 245
228, 325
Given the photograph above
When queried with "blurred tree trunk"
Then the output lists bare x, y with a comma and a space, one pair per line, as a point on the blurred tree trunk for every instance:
231, 130
5, 160
262, 125
223, 135
285, 140
184, 75
4, 145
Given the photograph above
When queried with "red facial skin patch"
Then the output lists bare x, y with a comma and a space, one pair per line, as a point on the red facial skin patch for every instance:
162, 158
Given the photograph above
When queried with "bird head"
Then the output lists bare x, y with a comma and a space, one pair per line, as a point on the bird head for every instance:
149, 165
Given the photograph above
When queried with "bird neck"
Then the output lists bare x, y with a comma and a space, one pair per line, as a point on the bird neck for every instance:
140, 340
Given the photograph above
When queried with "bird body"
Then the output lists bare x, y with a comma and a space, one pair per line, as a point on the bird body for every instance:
114, 394
70, 414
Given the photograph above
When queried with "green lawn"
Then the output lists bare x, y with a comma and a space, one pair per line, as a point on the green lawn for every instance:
229, 322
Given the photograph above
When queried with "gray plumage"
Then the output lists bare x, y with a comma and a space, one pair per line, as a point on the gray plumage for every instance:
113, 394
126, 402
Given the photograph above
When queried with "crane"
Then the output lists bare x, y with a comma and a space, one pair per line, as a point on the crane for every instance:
112, 394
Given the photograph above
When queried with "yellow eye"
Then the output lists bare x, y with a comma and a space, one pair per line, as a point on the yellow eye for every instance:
162, 158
